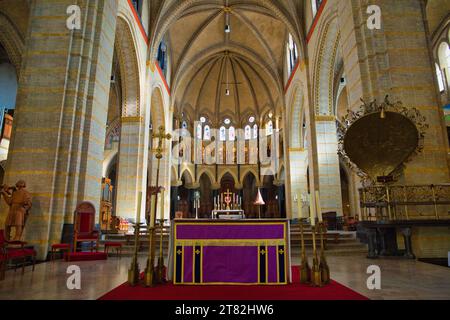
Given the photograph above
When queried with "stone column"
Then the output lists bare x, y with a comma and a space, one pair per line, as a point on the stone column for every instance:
329, 170
298, 179
60, 118
129, 167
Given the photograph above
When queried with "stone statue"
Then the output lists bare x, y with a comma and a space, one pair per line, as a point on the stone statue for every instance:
19, 202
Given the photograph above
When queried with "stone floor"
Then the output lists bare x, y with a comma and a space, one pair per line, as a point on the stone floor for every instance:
400, 279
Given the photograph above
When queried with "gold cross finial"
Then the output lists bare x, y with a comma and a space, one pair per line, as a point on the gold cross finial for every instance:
161, 135
263, 252
179, 252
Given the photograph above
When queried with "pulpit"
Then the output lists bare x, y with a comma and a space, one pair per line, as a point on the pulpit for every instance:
231, 252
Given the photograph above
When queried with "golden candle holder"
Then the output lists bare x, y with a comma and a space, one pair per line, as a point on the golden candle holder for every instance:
323, 266
149, 274
316, 276
160, 268
150, 271
305, 271
133, 272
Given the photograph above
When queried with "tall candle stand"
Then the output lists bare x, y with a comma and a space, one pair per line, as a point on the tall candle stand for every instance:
305, 271
323, 266
133, 271
150, 276
316, 274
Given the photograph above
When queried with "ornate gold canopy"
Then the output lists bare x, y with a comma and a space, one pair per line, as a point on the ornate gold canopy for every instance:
379, 139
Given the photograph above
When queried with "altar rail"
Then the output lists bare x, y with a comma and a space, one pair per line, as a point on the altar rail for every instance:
400, 203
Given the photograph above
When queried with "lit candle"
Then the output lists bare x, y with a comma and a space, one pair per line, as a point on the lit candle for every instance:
318, 208
312, 212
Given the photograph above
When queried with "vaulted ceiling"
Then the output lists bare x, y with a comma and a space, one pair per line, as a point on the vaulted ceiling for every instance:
249, 61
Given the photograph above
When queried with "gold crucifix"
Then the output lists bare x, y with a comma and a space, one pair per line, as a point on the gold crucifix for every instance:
161, 136
228, 198
152, 275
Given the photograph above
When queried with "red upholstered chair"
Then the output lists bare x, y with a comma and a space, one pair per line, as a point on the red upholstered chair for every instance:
84, 226
18, 252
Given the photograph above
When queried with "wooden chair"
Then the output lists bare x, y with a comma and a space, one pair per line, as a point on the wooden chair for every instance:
59, 247
84, 226
18, 252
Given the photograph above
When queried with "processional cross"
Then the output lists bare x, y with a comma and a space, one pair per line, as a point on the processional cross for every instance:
153, 276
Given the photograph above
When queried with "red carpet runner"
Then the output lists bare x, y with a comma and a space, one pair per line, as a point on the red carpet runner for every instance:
333, 291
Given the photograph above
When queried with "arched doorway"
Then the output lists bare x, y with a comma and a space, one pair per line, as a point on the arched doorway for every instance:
206, 197
270, 196
250, 191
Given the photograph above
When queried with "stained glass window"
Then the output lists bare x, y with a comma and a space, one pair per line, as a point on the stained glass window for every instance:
223, 134
207, 133
232, 134
247, 132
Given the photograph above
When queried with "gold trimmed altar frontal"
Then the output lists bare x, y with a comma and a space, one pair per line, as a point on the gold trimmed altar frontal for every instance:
244, 252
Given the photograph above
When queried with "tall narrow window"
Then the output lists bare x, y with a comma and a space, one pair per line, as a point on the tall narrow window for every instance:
247, 132
269, 128
440, 78
232, 134
444, 62
255, 131
199, 131
207, 133
222, 134
314, 7
162, 57
292, 54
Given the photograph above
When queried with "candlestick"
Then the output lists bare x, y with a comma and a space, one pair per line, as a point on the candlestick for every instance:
318, 207
162, 204
133, 272
152, 210
312, 212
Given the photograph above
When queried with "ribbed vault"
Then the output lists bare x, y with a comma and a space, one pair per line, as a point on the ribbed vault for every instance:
206, 61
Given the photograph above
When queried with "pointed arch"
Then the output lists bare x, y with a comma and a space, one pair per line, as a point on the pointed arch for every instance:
188, 177
296, 119
157, 108
12, 40
129, 68
209, 174
325, 64
231, 173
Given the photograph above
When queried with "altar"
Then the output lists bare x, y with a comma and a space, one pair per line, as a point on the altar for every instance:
247, 252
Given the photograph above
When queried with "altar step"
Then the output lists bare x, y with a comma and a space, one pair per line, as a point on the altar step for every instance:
337, 242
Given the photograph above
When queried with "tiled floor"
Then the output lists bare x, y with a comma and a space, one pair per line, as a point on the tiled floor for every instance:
400, 279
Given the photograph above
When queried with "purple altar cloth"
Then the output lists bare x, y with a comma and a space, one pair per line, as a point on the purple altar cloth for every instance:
244, 252
222, 231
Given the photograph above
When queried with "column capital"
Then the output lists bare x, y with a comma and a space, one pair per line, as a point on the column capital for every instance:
177, 183
193, 186
135, 119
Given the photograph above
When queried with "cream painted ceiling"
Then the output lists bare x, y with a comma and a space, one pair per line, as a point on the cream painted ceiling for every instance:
249, 61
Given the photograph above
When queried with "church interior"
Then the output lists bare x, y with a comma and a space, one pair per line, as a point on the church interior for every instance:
158, 149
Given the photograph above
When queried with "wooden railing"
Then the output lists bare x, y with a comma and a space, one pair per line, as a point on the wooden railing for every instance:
414, 202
